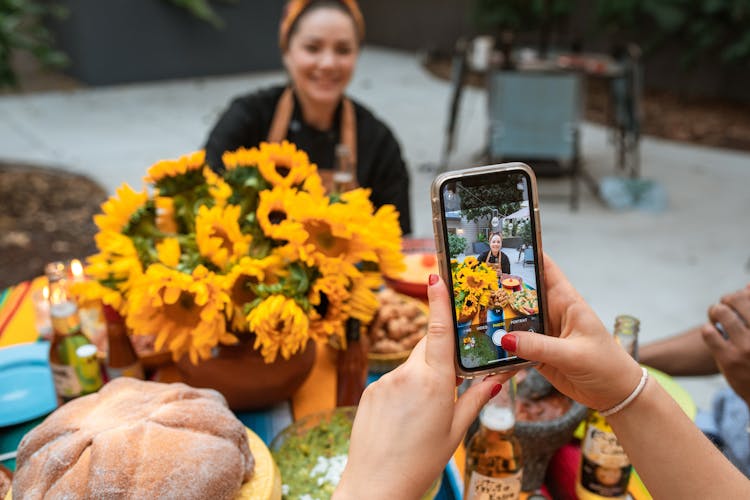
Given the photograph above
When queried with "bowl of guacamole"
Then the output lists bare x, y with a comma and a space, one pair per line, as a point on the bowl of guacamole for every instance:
311, 455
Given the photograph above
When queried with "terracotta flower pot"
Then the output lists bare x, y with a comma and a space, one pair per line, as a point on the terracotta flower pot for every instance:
245, 380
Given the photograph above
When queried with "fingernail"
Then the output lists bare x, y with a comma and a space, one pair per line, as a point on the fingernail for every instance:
509, 342
433, 279
495, 390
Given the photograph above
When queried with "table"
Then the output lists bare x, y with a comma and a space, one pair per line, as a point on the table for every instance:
318, 393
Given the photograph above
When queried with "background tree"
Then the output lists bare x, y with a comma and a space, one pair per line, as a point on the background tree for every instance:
479, 201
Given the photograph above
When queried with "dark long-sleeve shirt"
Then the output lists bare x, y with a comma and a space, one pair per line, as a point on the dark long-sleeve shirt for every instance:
380, 165
504, 260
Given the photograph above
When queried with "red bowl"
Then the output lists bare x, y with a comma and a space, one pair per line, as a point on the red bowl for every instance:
413, 281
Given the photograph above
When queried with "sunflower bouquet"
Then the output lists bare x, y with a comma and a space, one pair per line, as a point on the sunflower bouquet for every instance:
260, 250
474, 283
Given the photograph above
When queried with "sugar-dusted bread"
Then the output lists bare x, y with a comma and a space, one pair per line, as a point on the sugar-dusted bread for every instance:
136, 439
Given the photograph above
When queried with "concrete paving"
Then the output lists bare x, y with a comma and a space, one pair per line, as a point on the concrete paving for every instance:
664, 268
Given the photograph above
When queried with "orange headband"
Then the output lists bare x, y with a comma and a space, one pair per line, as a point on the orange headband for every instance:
294, 8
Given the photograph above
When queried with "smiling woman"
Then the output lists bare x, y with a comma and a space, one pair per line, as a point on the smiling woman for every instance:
320, 42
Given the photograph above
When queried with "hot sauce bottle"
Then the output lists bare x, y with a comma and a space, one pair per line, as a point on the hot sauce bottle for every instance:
351, 369
122, 360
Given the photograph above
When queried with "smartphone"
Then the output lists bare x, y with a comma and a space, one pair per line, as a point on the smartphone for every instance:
489, 248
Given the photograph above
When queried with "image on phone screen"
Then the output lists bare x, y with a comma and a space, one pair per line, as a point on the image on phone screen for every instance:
491, 241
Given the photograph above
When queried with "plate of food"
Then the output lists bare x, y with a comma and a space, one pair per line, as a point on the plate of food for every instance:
400, 322
525, 301
311, 454
420, 259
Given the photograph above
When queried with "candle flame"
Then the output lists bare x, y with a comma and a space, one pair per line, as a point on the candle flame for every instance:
45, 293
76, 268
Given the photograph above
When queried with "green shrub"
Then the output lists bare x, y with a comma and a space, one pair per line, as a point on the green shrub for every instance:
22, 29
456, 245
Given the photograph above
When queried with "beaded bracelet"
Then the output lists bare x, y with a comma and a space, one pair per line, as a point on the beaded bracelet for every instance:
638, 389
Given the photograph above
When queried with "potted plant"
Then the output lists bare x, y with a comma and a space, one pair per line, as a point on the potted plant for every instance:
259, 256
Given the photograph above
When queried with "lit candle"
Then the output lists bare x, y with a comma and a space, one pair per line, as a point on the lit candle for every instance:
76, 269
42, 322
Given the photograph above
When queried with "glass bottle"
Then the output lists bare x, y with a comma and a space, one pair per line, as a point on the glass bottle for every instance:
343, 176
66, 336
122, 360
351, 367
89, 370
494, 463
605, 467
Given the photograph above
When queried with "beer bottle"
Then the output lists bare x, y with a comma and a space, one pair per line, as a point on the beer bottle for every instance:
66, 336
344, 175
493, 455
122, 361
351, 367
605, 467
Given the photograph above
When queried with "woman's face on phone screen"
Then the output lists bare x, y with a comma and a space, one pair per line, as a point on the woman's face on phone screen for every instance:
496, 242
322, 55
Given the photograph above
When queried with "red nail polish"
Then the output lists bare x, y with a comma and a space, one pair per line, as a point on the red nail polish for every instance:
495, 390
433, 279
509, 342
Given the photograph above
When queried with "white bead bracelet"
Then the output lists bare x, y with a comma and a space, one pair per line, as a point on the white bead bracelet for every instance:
638, 389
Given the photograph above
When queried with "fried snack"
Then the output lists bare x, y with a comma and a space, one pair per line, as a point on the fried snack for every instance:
499, 299
398, 325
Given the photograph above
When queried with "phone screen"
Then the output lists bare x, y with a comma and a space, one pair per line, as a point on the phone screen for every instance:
490, 232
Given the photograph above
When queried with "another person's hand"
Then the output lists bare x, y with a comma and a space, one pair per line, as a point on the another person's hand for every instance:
579, 356
732, 354
409, 423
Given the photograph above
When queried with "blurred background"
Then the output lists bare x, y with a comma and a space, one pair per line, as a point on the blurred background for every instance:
93, 92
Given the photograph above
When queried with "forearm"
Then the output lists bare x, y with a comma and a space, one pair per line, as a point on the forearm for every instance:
672, 456
683, 354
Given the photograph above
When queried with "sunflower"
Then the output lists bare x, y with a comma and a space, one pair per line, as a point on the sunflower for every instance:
219, 190
332, 233
117, 261
258, 248
470, 261
279, 324
169, 253
328, 296
119, 209
92, 291
274, 215
283, 165
242, 281
184, 311
165, 216
218, 235
467, 308
183, 165
241, 158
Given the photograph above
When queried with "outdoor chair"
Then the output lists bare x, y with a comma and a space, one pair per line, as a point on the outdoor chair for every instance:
528, 256
534, 116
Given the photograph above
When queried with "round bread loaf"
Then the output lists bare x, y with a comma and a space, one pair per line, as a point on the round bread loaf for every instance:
136, 439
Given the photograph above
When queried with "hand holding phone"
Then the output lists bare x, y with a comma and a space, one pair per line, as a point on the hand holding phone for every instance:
489, 246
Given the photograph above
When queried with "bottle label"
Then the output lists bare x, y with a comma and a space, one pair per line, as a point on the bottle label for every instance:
66, 381
605, 468
483, 487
